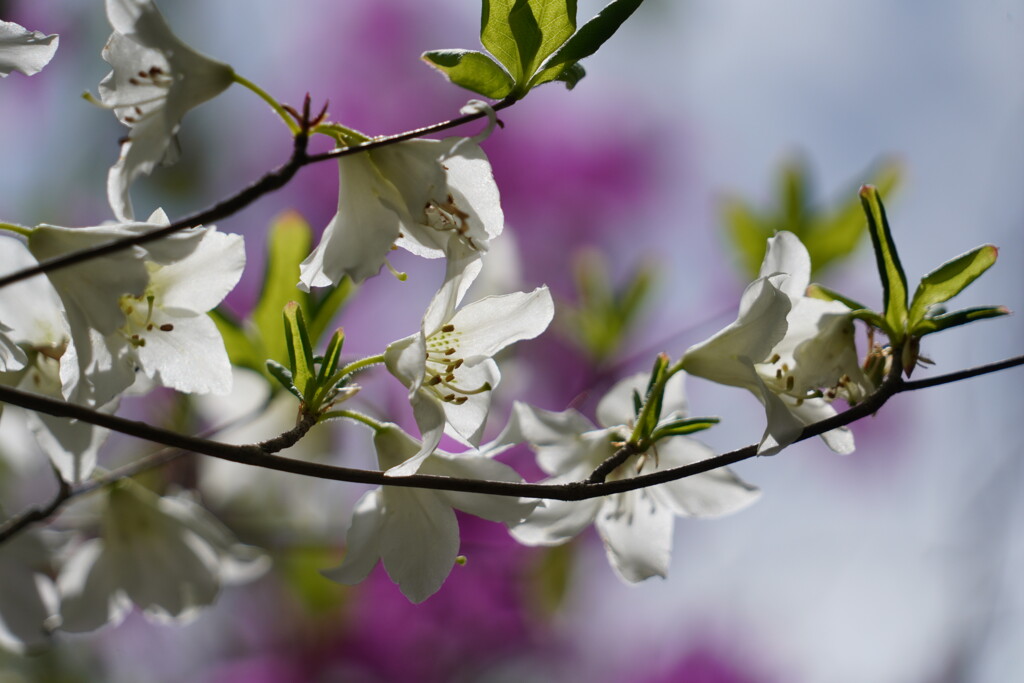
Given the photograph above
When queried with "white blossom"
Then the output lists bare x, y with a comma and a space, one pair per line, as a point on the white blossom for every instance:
23, 50
156, 79
28, 599
430, 197
794, 353
37, 323
413, 531
635, 526
167, 555
448, 365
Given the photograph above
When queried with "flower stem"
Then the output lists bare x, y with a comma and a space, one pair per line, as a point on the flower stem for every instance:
268, 98
361, 364
17, 229
358, 417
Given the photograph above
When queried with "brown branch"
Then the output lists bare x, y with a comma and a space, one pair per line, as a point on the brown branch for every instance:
66, 492
274, 180
257, 455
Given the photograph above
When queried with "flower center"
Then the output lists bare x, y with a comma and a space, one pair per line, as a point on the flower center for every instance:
157, 78
139, 313
449, 217
442, 367
784, 380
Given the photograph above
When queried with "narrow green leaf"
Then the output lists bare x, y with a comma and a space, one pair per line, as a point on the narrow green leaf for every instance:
638, 403
816, 291
873, 319
571, 75
593, 34
329, 365
556, 20
684, 426
961, 317
288, 244
284, 376
949, 279
894, 280
300, 352
241, 350
472, 70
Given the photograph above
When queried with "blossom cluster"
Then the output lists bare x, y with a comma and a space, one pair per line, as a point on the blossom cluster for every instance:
124, 321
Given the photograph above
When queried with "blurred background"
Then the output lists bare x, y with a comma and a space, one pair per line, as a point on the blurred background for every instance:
900, 563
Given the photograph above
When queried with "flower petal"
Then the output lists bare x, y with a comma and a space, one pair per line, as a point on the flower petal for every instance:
23, 50
710, 494
637, 535
362, 549
418, 542
490, 324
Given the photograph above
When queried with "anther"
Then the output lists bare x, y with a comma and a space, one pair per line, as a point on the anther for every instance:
436, 379
449, 352
166, 327
778, 374
790, 381
448, 328
775, 359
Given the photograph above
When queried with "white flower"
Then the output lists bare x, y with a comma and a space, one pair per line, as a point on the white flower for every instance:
430, 197
166, 555
142, 308
37, 323
448, 365
636, 526
156, 79
28, 598
786, 348
414, 531
23, 50
11, 355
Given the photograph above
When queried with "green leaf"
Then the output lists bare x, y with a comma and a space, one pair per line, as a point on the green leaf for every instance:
300, 352
473, 71
288, 244
241, 350
961, 317
284, 376
593, 34
571, 75
873, 319
894, 280
557, 22
684, 426
510, 32
816, 291
949, 279
329, 365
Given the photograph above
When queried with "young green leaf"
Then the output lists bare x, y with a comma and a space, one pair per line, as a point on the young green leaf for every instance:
510, 32
473, 71
284, 376
300, 352
894, 280
816, 291
324, 308
587, 40
684, 426
329, 365
961, 317
949, 279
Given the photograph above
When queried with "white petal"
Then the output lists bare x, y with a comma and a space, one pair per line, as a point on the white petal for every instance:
787, 254
554, 522
89, 595
466, 422
472, 183
814, 410
360, 235
637, 535
430, 419
406, 359
24, 606
761, 324
419, 541
190, 358
362, 542
710, 494
23, 50
201, 280
489, 325
505, 509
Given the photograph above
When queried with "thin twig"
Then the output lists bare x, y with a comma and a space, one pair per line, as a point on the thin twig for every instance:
257, 455
273, 180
